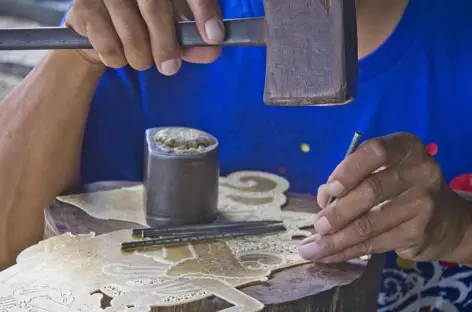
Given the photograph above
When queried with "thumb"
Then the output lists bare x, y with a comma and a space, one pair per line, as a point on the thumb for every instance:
210, 25
208, 18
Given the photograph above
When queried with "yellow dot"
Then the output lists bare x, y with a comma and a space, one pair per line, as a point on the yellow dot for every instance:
305, 148
405, 263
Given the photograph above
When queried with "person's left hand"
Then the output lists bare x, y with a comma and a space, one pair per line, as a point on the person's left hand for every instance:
391, 195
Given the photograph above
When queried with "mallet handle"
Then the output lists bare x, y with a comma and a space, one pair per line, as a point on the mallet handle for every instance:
239, 32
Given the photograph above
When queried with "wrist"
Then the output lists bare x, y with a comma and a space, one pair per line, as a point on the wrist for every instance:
74, 61
462, 228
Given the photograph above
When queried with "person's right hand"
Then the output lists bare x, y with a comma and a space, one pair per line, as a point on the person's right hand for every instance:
142, 32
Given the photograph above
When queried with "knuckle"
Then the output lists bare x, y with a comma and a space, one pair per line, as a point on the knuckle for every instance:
364, 226
182, 9
413, 235
406, 147
333, 215
415, 143
377, 147
77, 21
327, 245
413, 139
426, 205
414, 147
341, 256
113, 63
431, 172
374, 188
366, 248
113, 59
134, 37
163, 52
140, 64
109, 49
137, 50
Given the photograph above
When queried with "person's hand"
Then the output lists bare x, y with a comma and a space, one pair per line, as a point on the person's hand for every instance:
391, 195
142, 33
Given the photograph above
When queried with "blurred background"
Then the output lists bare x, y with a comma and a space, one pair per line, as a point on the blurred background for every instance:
15, 65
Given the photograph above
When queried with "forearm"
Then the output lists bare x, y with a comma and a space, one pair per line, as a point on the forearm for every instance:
41, 130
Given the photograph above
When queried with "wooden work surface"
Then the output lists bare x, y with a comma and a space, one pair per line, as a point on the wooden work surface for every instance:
310, 287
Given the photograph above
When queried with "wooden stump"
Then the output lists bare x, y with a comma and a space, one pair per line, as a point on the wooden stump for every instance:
312, 287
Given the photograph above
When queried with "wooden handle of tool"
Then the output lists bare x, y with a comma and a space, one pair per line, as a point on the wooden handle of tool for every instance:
239, 32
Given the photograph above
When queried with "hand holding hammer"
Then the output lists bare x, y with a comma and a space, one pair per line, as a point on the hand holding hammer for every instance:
311, 44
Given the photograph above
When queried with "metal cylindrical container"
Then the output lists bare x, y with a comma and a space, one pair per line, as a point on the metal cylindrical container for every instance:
181, 176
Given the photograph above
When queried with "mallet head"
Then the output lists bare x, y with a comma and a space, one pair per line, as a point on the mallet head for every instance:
311, 52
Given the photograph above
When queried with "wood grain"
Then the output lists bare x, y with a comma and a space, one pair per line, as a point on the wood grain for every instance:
311, 288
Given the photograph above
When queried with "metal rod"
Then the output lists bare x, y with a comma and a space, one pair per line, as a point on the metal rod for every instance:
202, 227
152, 243
239, 32
204, 232
352, 148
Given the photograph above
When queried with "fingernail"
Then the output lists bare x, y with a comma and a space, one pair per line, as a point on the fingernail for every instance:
322, 226
170, 67
335, 188
214, 29
309, 251
322, 196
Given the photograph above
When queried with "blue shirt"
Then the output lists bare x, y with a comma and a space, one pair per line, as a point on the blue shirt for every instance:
418, 81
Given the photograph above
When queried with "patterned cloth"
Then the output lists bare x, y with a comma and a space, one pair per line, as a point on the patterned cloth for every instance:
410, 286
425, 287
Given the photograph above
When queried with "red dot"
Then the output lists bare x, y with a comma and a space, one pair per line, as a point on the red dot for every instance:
432, 149
448, 265
462, 183
282, 170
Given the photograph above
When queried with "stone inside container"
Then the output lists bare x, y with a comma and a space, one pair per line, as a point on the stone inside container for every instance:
177, 140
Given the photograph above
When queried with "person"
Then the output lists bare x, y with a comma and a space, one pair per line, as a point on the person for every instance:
74, 121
